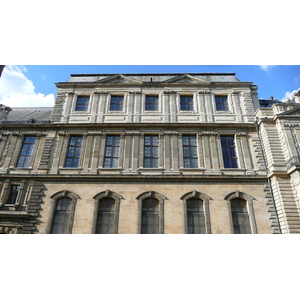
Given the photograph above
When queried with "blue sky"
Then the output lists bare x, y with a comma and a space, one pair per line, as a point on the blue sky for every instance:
34, 85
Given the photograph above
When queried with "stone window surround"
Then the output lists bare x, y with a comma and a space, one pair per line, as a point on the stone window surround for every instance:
161, 198
6, 190
53, 203
249, 199
98, 198
201, 196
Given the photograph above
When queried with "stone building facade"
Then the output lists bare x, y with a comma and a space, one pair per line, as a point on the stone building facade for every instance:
141, 153
279, 132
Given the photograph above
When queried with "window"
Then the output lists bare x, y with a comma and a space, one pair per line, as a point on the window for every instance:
196, 212
82, 103
13, 194
151, 208
151, 103
228, 151
112, 151
195, 216
186, 103
190, 157
106, 216
221, 103
26, 152
116, 103
150, 216
151, 151
73, 155
240, 216
61, 220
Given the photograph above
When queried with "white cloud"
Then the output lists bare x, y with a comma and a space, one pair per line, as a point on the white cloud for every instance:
297, 78
266, 68
289, 94
17, 90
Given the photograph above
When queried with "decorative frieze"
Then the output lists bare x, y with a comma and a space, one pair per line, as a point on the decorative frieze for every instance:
204, 92
169, 92
212, 133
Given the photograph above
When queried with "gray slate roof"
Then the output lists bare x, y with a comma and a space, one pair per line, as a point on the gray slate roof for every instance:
29, 115
158, 77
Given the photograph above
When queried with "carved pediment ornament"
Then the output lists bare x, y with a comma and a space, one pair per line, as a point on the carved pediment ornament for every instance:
169, 92
208, 133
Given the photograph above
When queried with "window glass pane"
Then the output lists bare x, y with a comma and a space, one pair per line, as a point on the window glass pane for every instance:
116, 103
228, 151
151, 103
195, 216
151, 151
73, 153
26, 152
240, 216
13, 194
112, 151
190, 155
82, 103
106, 216
61, 218
150, 216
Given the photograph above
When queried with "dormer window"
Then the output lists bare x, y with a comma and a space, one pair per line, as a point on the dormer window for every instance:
116, 103
221, 103
186, 103
82, 103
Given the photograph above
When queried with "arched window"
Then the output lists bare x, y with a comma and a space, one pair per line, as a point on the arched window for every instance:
195, 216
106, 213
62, 208
61, 219
196, 212
106, 216
150, 216
240, 216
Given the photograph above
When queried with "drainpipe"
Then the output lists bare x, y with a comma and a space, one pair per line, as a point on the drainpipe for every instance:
267, 169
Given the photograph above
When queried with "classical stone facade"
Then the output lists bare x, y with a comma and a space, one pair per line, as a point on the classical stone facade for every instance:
140, 153
279, 131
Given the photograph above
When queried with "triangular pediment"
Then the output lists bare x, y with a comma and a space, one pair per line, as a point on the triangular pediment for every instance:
119, 79
291, 112
186, 78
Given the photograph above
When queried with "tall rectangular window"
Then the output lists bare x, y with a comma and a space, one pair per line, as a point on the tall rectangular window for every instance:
190, 156
186, 103
82, 103
151, 103
73, 154
228, 151
13, 194
26, 152
221, 103
112, 151
116, 103
151, 151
